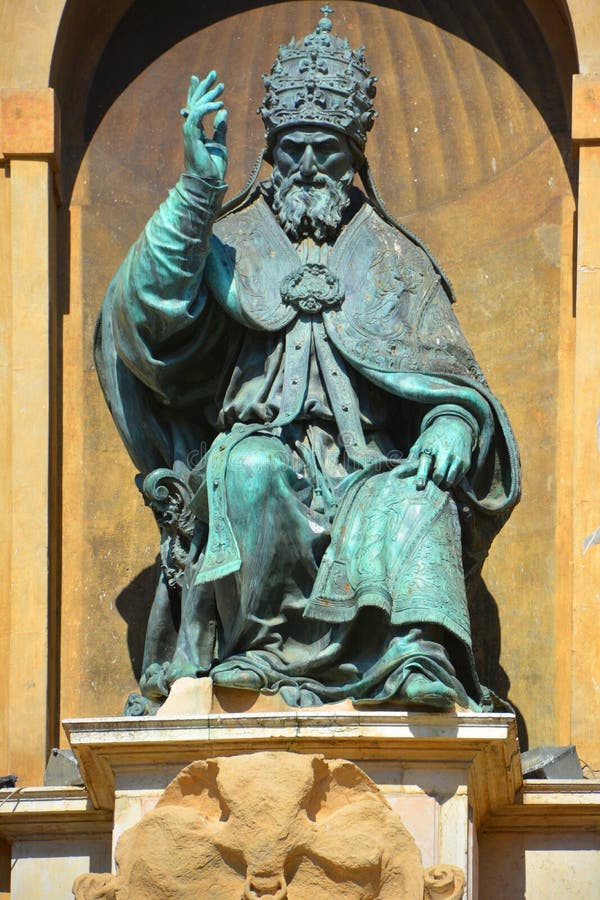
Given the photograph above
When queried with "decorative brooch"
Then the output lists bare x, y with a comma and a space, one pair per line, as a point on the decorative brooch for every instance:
312, 288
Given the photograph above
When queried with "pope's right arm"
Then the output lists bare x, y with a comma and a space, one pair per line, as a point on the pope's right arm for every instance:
157, 302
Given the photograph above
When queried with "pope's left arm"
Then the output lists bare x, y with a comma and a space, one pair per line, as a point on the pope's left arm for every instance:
458, 429
420, 356
468, 427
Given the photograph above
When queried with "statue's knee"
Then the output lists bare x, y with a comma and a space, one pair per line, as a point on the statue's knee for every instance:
255, 464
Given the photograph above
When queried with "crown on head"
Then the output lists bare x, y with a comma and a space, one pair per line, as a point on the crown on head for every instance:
320, 80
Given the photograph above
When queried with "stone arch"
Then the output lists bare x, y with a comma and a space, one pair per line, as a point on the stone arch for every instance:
45, 37
89, 39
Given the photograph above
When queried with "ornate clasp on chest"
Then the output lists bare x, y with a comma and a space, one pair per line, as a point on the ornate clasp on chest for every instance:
311, 288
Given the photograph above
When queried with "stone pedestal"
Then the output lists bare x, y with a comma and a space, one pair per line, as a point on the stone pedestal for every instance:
454, 779
443, 773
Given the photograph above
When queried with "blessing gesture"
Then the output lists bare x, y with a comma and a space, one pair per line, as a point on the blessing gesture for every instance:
203, 157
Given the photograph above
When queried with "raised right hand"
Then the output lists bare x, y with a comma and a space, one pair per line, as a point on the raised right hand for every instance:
207, 159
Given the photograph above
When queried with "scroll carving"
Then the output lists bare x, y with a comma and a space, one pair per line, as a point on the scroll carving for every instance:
168, 498
444, 883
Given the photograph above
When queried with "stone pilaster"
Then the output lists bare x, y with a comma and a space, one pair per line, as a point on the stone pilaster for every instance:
585, 646
29, 154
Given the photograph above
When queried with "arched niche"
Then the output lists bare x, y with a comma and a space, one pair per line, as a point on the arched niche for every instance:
471, 150
99, 50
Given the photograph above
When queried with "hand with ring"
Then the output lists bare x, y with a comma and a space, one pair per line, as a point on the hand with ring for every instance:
442, 452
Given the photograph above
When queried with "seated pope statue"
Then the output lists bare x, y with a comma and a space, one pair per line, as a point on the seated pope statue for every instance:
325, 461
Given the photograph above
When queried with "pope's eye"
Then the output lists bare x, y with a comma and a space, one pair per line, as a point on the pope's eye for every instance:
291, 148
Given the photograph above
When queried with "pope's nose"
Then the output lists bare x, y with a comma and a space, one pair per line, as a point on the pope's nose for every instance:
308, 163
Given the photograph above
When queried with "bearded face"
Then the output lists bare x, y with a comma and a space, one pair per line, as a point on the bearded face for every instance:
309, 210
312, 174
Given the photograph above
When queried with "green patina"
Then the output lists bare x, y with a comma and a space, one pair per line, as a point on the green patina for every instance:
325, 461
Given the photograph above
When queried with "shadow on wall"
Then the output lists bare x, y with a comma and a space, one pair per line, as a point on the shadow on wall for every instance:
506, 880
134, 604
487, 643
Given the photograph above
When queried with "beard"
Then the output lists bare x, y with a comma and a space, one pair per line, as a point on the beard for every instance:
309, 210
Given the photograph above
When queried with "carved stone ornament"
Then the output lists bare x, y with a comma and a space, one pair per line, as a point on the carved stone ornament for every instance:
270, 825
444, 883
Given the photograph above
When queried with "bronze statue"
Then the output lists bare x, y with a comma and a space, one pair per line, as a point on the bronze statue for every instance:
326, 463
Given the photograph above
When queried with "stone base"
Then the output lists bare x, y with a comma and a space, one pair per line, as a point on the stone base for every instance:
453, 778
199, 696
444, 773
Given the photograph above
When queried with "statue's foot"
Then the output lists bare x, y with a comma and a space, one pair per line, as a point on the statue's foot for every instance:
238, 677
418, 690
138, 705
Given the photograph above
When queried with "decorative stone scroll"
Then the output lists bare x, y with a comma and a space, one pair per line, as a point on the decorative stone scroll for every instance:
277, 825
444, 883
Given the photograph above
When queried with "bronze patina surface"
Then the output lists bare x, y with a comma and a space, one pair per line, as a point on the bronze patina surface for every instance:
325, 460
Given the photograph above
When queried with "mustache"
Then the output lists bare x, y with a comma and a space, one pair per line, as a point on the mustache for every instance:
318, 180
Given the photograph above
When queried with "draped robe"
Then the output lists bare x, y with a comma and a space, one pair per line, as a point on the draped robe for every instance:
280, 388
